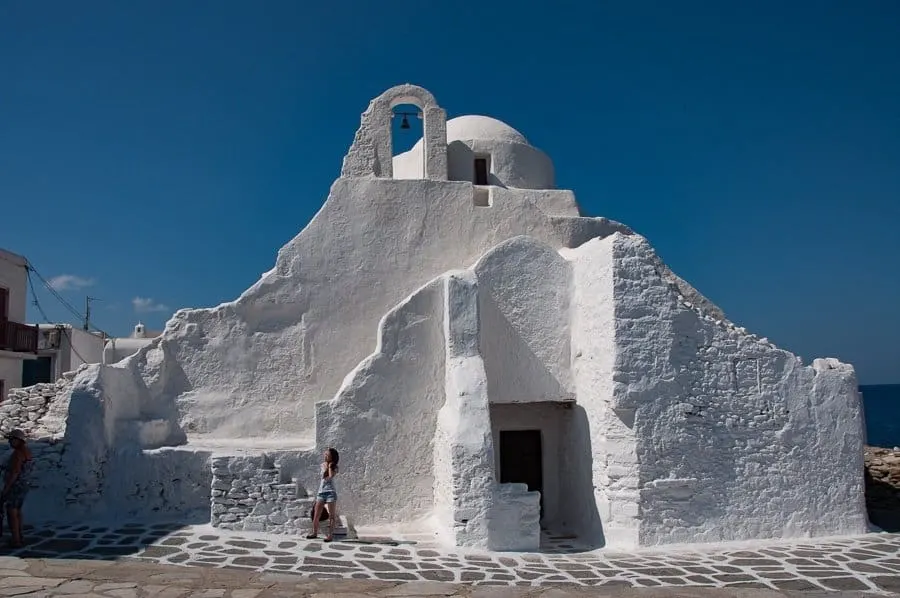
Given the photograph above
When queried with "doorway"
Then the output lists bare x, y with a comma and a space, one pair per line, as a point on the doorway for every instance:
481, 171
521, 460
36, 371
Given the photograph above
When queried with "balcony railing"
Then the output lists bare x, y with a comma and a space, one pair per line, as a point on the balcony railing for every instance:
17, 337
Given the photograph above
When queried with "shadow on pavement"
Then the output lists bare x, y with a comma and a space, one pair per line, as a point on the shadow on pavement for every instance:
91, 541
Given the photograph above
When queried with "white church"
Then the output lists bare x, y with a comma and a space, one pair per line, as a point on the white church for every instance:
488, 362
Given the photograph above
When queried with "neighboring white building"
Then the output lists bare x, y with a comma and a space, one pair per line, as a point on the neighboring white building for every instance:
18, 341
117, 349
466, 339
61, 348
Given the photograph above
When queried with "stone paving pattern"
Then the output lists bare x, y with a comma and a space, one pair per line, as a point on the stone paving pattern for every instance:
42, 578
869, 563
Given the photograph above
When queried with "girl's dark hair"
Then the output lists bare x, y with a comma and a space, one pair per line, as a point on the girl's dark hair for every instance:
335, 457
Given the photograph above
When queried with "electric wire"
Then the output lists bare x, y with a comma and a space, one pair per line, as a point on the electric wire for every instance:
79, 316
29, 268
54, 292
35, 298
68, 334
41, 311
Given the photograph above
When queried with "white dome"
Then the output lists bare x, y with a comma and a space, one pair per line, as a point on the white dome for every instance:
512, 161
474, 126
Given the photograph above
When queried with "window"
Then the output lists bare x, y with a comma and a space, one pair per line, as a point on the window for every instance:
4, 303
481, 171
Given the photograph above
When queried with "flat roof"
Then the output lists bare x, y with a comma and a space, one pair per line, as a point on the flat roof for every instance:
13, 257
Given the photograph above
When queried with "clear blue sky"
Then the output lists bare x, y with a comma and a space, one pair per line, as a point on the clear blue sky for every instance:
165, 150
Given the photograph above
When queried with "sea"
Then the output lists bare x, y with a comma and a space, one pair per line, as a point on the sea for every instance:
881, 403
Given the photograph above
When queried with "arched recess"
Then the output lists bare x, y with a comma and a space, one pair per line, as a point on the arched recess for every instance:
371, 152
407, 146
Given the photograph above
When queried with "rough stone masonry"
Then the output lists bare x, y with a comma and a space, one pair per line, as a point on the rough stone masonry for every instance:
248, 494
883, 487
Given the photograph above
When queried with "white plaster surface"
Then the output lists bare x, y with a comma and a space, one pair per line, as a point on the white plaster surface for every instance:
118, 349
512, 161
256, 366
463, 447
13, 278
76, 347
384, 416
524, 289
408, 323
716, 426
10, 372
608, 504
86, 348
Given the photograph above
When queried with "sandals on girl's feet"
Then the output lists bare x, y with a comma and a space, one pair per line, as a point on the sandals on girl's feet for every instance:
328, 539
312, 536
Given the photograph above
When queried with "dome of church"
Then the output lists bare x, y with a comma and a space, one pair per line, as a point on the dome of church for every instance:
474, 126
504, 153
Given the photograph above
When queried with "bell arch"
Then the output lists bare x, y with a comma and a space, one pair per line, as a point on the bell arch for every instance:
371, 152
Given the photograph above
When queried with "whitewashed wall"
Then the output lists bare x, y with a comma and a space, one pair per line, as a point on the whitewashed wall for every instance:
681, 420
13, 277
86, 348
383, 418
701, 431
524, 288
726, 423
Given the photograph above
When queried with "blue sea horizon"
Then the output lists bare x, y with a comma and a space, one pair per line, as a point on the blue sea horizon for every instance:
881, 404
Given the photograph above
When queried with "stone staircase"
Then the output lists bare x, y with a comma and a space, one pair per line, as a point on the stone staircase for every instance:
249, 494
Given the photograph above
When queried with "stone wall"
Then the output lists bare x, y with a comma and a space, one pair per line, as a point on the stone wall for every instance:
39, 411
48, 456
76, 476
720, 416
249, 494
883, 487
25, 408
694, 422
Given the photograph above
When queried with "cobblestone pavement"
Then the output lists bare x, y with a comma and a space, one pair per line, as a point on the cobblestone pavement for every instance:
43, 578
869, 563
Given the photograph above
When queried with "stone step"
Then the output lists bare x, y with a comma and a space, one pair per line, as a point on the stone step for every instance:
301, 490
291, 490
341, 529
296, 527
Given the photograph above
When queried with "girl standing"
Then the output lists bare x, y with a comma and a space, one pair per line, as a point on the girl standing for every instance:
327, 495
18, 472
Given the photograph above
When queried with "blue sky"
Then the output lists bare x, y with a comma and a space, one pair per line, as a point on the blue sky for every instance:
161, 152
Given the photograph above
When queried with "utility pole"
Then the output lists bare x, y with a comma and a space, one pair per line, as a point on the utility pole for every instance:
87, 311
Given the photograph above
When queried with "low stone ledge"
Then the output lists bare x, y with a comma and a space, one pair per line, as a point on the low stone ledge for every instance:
883, 487
249, 494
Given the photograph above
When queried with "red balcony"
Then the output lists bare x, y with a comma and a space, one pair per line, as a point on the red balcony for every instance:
20, 338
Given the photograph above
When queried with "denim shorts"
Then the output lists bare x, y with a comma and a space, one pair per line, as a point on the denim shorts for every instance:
327, 497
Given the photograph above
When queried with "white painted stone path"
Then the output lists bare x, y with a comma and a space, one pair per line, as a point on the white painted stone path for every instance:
869, 563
